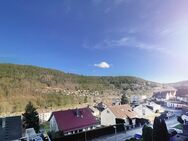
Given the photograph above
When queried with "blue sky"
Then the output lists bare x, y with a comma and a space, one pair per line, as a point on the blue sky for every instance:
143, 38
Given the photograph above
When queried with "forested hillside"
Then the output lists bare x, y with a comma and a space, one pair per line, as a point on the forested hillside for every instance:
50, 88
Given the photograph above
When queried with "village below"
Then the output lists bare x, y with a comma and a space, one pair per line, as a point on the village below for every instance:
126, 109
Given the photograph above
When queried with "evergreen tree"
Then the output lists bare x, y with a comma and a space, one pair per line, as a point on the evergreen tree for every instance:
156, 130
160, 132
164, 131
31, 117
124, 99
147, 133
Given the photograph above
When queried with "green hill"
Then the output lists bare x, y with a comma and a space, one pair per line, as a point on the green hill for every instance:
52, 88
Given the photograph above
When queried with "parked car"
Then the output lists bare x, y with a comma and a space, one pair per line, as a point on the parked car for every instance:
172, 132
177, 130
137, 136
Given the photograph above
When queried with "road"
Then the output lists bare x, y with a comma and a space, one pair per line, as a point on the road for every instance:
170, 123
130, 133
120, 136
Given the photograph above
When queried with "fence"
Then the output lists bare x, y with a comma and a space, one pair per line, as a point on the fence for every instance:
91, 134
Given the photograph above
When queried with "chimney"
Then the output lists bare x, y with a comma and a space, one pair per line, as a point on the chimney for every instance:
82, 116
3, 122
77, 112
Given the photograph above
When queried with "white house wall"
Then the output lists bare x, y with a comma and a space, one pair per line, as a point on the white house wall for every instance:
44, 116
174, 105
143, 111
53, 125
107, 117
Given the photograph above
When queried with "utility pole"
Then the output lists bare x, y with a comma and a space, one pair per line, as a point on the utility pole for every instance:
85, 136
115, 128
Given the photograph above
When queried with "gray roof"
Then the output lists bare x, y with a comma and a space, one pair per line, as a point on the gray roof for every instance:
12, 129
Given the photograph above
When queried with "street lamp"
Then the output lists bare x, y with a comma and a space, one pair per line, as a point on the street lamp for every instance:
115, 128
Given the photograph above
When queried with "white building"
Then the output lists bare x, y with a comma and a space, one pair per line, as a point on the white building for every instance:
174, 104
31, 135
182, 98
135, 99
144, 112
53, 124
43, 117
123, 112
154, 106
164, 95
94, 111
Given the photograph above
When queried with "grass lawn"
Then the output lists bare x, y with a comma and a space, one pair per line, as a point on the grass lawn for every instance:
46, 126
179, 126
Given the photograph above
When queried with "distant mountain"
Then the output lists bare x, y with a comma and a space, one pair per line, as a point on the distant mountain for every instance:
48, 88
182, 88
180, 84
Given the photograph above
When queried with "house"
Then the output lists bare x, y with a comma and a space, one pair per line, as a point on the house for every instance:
164, 95
174, 104
72, 121
31, 135
112, 114
101, 106
10, 128
154, 106
184, 115
43, 117
116, 101
30, 132
135, 99
144, 112
94, 111
183, 98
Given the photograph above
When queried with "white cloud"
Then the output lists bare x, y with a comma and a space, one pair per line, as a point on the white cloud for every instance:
107, 43
119, 42
103, 65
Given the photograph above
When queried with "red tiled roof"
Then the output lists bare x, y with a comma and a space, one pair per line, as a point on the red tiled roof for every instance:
68, 120
123, 111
